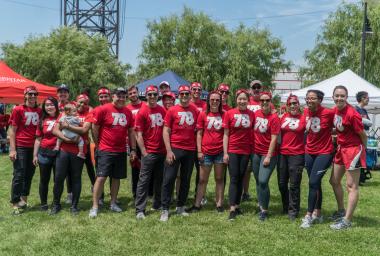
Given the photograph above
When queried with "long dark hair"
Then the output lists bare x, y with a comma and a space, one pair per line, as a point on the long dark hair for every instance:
44, 113
220, 109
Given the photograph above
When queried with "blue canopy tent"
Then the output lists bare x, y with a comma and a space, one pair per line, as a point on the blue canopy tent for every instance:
172, 78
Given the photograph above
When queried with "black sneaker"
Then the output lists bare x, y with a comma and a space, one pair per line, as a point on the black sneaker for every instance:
219, 209
55, 209
263, 216
74, 210
44, 207
193, 209
233, 215
239, 212
246, 197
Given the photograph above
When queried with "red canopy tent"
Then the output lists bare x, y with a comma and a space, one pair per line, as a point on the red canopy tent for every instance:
12, 86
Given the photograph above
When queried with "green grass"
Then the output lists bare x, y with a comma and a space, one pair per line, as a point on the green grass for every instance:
206, 233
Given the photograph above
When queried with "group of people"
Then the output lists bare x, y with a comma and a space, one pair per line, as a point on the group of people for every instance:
166, 138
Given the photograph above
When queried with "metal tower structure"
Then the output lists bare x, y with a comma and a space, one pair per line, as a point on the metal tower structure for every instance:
95, 16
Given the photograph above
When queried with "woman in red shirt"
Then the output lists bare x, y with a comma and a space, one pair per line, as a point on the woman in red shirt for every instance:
264, 159
237, 124
210, 150
44, 153
23, 121
349, 158
292, 157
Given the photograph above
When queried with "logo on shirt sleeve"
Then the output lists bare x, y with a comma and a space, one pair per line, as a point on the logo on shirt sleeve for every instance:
156, 120
186, 117
292, 123
338, 122
214, 121
261, 124
119, 119
242, 120
313, 123
31, 118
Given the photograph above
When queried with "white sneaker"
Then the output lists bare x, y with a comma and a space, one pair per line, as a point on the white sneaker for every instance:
204, 201
306, 222
164, 216
93, 213
181, 211
115, 208
317, 219
341, 224
140, 216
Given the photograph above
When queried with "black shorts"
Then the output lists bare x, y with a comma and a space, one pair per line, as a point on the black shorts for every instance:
111, 164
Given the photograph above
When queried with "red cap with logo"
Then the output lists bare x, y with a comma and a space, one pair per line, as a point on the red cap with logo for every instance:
104, 91
29, 89
195, 85
223, 87
183, 88
169, 94
151, 88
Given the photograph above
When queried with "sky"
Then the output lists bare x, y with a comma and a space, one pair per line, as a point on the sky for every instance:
297, 23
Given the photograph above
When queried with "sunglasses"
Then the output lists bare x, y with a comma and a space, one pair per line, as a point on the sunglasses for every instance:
266, 100
256, 87
196, 89
225, 92
292, 103
311, 99
184, 93
33, 94
152, 94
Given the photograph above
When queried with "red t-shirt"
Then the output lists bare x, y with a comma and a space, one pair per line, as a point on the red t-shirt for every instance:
26, 119
348, 124
292, 134
265, 127
48, 140
200, 105
319, 126
182, 122
226, 107
113, 127
253, 105
150, 121
135, 108
4, 119
212, 140
239, 123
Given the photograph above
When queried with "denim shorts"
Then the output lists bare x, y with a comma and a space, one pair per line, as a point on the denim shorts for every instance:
209, 160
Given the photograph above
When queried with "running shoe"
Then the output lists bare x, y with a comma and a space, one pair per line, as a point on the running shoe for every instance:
233, 215
220, 209
115, 208
193, 209
337, 215
246, 197
164, 216
203, 201
317, 219
93, 213
239, 211
181, 211
263, 215
56, 208
307, 221
140, 216
74, 210
44, 207
341, 224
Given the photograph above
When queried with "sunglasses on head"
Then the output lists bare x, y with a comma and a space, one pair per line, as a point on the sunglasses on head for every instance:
152, 94
265, 100
225, 92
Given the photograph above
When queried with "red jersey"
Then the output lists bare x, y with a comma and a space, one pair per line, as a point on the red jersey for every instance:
239, 123
212, 140
48, 140
182, 122
318, 127
200, 105
265, 127
256, 105
348, 124
26, 119
292, 134
226, 107
135, 108
150, 121
113, 127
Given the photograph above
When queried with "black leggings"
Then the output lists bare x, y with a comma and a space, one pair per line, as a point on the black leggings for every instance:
68, 163
23, 172
237, 166
316, 166
45, 174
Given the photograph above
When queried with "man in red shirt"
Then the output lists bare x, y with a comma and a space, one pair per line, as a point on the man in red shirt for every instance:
113, 122
196, 92
179, 139
149, 124
63, 95
224, 89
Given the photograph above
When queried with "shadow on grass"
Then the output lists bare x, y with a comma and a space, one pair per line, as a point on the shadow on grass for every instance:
365, 221
371, 183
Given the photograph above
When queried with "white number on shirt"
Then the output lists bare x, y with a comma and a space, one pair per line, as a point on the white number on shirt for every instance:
243, 120
314, 123
156, 120
261, 124
119, 118
254, 108
135, 111
293, 123
50, 125
31, 117
338, 122
214, 121
186, 117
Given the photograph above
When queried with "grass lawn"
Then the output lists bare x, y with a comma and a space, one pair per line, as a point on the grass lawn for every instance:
206, 233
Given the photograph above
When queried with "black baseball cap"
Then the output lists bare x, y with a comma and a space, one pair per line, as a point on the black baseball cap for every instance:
63, 87
119, 90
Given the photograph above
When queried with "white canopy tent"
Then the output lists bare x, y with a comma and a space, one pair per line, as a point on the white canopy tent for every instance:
351, 81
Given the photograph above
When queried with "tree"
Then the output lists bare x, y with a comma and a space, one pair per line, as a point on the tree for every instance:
200, 49
338, 47
68, 56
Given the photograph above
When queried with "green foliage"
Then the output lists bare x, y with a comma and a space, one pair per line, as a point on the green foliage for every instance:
69, 56
200, 49
338, 47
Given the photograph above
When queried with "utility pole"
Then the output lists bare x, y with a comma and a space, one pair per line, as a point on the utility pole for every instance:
367, 30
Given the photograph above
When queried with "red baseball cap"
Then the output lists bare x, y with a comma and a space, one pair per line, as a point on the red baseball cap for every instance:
29, 89
82, 96
223, 87
151, 88
196, 85
104, 91
169, 94
183, 88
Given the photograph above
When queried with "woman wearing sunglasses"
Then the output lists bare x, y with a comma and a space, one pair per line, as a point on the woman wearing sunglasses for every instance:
23, 121
237, 124
318, 152
264, 159
292, 157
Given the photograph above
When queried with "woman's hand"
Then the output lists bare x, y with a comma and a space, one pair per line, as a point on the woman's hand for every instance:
170, 157
35, 161
200, 156
226, 158
13, 155
266, 161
